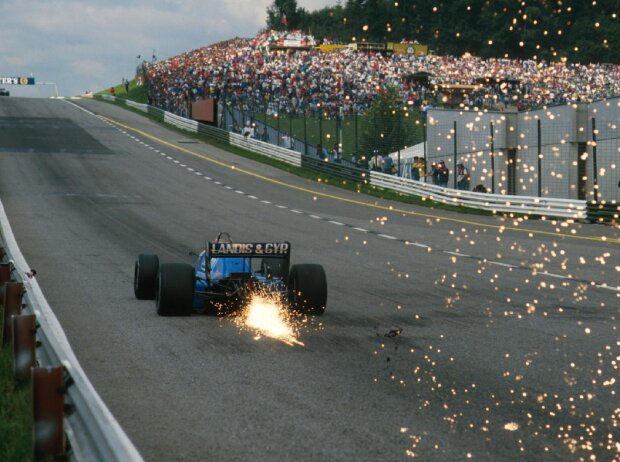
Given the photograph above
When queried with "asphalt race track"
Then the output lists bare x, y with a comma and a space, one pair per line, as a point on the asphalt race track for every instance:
504, 340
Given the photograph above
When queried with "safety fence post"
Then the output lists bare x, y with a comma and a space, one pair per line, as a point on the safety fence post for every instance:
539, 173
48, 413
492, 160
24, 346
455, 155
594, 161
12, 307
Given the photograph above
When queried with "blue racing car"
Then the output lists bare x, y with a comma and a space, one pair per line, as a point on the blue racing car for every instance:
226, 274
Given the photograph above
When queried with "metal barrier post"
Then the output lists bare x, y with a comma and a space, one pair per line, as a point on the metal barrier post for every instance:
48, 403
24, 343
305, 135
5, 276
455, 155
539, 160
12, 306
492, 160
594, 161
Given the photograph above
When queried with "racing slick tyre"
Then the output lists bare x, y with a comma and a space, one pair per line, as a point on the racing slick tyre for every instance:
275, 268
145, 276
175, 289
307, 289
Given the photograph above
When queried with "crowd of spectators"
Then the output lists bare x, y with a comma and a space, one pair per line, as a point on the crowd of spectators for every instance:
251, 74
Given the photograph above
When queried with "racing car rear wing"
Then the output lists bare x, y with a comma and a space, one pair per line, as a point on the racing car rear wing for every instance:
248, 249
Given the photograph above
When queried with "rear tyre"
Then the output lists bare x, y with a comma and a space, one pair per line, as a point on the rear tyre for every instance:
275, 268
307, 289
145, 276
175, 289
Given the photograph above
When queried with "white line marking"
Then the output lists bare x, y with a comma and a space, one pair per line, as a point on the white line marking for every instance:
502, 264
456, 254
176, 161
182, 165
552, 275
208, 178
198, 173
266, 202
316, 217
217, 182
415, 244
239, 192
189, 169
337, 223
605, 286
253, 197
387, 236
361, 229
227, 187
282, 206
296, 211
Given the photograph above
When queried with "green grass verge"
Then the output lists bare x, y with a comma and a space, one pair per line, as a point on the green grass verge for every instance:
311, 175
15, 413
136, 92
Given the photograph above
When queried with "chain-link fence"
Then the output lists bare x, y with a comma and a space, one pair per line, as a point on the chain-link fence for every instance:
352, 138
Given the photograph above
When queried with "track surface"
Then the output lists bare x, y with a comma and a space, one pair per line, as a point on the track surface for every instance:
495, 360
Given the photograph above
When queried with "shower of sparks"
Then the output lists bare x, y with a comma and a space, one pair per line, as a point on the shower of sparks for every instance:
268, 316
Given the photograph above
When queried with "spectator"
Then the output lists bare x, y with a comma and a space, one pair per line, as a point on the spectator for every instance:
434, 173
249, 74
443, 174
388, 165
462, 177
415, 169
376, 162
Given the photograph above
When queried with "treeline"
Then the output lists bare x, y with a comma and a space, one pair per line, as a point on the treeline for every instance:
578, 30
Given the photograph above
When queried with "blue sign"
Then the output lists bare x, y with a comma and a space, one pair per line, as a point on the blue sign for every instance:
17, 81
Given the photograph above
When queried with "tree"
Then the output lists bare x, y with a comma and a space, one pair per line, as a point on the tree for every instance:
285, 15
387, 126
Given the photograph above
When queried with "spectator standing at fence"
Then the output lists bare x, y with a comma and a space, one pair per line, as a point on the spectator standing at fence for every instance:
126, 84
376, 162
335, 154
443, 174
388, 165
415, 169
434, 173
248, 130
264, 136
287, 141
462, 177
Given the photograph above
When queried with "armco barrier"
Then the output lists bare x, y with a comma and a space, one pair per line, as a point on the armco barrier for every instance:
548, 207
599, 212
564, 208
91, 429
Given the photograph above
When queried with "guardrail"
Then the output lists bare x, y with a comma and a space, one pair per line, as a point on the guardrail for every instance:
603, 212
539, 206
93, 433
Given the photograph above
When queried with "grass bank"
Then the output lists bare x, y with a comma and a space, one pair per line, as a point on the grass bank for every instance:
15, 413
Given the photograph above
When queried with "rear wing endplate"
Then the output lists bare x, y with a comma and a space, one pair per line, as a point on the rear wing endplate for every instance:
248, 249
